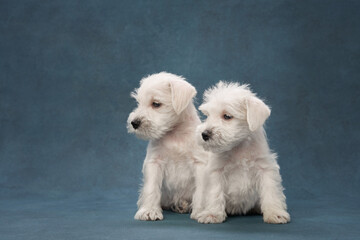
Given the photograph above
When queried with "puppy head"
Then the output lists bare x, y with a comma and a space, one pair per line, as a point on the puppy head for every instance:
233, 112
161, 98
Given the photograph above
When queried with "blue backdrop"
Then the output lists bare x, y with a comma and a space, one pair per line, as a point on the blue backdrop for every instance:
68, 167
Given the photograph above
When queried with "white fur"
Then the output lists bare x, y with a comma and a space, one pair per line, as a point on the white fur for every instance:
242, 174
173, 154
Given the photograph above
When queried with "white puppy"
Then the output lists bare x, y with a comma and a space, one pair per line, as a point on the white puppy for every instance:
167, 117
242, 175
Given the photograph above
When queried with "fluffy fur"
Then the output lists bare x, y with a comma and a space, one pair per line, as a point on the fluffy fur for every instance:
166, 116
242, 174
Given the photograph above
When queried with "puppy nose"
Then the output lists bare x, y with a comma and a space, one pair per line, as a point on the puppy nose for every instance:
136, 123
206, 135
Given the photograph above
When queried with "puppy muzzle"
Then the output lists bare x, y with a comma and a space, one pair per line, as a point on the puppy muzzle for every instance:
136, 123
206, 135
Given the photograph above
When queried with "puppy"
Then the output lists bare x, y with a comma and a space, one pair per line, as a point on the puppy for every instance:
242, 175
166, 116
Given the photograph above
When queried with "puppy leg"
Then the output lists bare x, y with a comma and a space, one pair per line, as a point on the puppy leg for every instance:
150, 197
272, 198
214, 211
198, 199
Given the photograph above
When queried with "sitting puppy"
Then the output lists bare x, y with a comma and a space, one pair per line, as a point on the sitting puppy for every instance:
167, 117
242, 175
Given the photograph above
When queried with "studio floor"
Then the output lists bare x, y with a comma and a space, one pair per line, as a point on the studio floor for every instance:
109, 215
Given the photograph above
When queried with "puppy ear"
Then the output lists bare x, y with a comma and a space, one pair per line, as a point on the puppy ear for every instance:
182, 93
257, 112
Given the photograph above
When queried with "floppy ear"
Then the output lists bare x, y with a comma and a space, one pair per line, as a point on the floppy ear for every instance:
182, 93
257, 112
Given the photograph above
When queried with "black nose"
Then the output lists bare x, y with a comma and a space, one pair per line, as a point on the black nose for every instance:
136, 123
206, 135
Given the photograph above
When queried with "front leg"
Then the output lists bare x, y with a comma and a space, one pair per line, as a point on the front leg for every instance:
214, 210
150, 196
272, 198
198, 196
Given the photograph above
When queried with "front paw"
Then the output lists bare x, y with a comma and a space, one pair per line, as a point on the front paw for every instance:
209, 217
149, 214
277, 217
194, 214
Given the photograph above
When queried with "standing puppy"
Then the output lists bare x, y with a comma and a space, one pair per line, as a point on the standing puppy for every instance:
242, 174
167, 117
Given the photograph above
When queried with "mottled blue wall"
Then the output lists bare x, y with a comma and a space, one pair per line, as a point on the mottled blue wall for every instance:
67, 68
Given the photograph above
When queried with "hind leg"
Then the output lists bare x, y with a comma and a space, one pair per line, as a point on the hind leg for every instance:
183, 206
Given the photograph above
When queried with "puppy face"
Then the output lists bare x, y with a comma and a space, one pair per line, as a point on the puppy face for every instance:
233, 112
161, 100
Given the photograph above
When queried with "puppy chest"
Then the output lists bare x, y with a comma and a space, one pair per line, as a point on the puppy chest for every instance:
176, 150
178, 174
239, 182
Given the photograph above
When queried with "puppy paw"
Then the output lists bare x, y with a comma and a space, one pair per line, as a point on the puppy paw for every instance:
194, 214
207, 217
182, 207
149, 214
277, 217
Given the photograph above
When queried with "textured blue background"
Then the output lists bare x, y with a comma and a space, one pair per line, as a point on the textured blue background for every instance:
68, 168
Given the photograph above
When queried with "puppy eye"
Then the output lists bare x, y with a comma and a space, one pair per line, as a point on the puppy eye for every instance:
227, 117
156, 104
